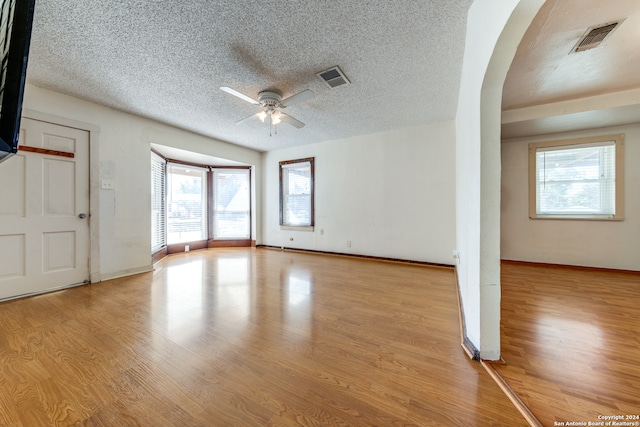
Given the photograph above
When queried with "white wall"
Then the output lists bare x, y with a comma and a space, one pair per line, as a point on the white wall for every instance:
391, 194
606, 244
120, 150
494, 30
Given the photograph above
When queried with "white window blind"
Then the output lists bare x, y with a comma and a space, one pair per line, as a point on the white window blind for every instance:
297, 193
576, 179
231, 204
186, 203
158, 216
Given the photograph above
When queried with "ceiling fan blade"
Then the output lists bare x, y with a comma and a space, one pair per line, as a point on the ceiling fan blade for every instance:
240, 95
292, 121
298, 98
246, 119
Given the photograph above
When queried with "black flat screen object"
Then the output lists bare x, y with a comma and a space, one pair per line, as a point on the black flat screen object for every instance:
16, 19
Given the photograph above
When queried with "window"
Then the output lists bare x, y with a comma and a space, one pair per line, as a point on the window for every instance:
205, 206
578, 179
158, 229
186, 203
296, 193
231, 204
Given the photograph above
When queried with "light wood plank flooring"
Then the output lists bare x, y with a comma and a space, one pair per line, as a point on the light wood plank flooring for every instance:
571, 340
247, 337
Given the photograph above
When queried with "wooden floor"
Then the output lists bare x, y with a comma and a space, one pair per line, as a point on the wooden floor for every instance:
249, 337
571, 340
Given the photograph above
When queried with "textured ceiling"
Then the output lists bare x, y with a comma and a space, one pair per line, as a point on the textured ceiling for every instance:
544, 72
548, 90
167, 60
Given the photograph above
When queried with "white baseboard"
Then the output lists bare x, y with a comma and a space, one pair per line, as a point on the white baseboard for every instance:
123, 273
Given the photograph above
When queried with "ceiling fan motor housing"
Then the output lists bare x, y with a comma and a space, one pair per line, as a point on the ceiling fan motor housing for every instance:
270, 99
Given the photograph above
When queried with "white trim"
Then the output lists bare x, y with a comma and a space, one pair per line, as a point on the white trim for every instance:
578, 217
297, 228
58, 120
122, 273
616, 140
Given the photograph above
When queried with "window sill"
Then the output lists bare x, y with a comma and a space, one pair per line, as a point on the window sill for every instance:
580, 217
297, 227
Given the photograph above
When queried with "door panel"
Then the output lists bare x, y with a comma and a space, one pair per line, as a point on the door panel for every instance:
12, 256
13, 203
44, 244
59, 190
59, 251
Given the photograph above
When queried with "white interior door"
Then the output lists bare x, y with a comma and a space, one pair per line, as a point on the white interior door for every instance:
44, 210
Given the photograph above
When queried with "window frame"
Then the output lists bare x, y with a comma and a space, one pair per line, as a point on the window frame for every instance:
204, 199
160, 199
283, 225
209, 241
212, 195
618, 142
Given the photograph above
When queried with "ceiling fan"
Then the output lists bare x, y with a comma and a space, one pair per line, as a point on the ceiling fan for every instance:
272, 105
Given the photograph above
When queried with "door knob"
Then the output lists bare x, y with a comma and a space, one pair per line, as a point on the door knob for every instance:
82, 216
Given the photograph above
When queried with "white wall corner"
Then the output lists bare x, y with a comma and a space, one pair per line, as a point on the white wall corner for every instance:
494, 30
490, 317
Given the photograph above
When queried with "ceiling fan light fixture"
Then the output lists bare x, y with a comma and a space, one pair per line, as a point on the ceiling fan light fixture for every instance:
262, 115
276, 117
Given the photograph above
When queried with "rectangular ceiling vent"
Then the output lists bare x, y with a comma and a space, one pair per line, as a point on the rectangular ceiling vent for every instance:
594, 37
334, 77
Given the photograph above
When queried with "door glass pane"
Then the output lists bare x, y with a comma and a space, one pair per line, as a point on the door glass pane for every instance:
231, 204
186, 204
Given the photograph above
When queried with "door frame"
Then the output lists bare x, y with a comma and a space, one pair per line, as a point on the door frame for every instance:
94, 180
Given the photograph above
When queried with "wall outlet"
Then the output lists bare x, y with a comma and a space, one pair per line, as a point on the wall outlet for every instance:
186, 248
348, 243
456, 254
291, 239
107, 184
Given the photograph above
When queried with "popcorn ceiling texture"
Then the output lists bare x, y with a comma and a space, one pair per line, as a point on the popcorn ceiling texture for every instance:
166, 60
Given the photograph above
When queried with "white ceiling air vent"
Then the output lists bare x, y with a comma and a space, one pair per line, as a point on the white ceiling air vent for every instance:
334, 77
595, 36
